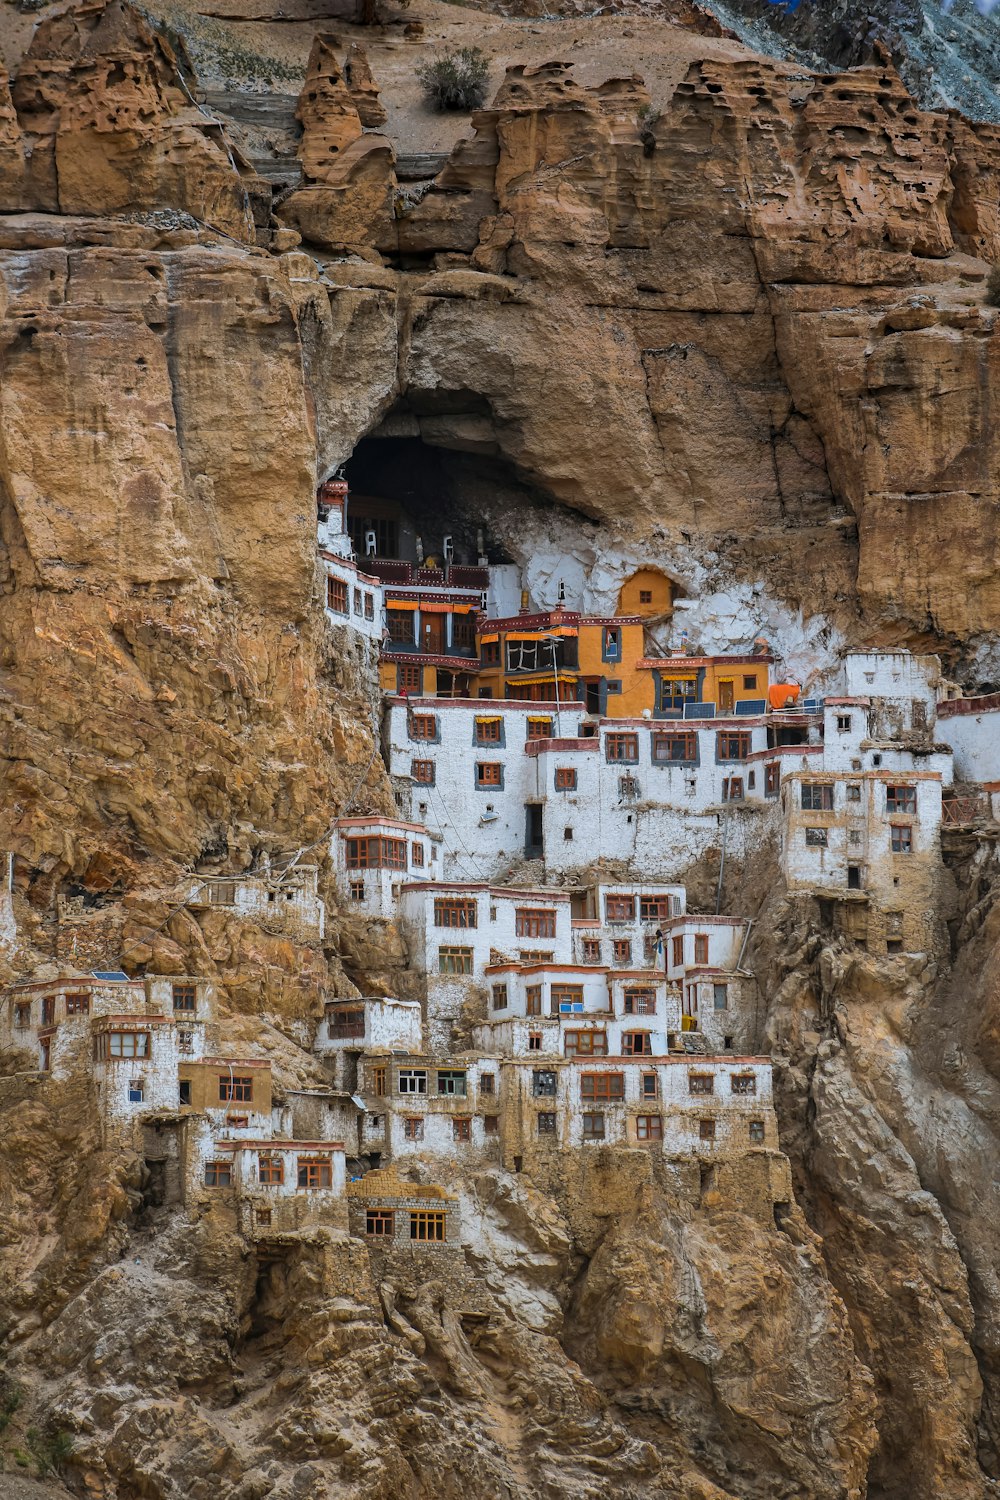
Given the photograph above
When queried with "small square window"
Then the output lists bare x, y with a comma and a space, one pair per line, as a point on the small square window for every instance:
706, 1130
844, 723
901, 838
853, 792
546, 1123
816, 838
757, 1132
357, 890
534, 1041
136, 1091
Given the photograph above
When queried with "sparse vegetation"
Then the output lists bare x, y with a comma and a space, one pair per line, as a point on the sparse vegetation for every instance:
646, 118
10, 1400
993, 287
47, 1451
456, 80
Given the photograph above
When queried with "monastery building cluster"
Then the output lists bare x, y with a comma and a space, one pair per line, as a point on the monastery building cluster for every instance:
555, 774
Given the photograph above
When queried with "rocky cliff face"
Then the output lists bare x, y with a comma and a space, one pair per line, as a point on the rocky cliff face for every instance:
747, 336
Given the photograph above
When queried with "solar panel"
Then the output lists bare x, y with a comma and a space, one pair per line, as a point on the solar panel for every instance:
699, 710
751, 705
108, 974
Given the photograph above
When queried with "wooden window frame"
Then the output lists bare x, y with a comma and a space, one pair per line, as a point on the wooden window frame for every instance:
701, 1085
565, 994
489, 731
237, 1089
701, 949
456, 912
376, 1080
619, 908
590, 1130
595, 1043
743, 1084
428, 1225
337, 596
900, 838
455, 960
489, 773
538, 728
666, 743
314, 1173
423, 772
621, 951
602, 1086
270, 1171
187, 995
533, 1000
732, 744
380, 1223
637, 1044
218, 1172
423, 727
894, 803
816, 796
78, 1003
413, 1127
461, 1128
649, 1127
639, 1002
565, 780
622, 748
534, 922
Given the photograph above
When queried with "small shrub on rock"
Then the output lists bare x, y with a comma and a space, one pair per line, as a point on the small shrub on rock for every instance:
993, 287
456, 80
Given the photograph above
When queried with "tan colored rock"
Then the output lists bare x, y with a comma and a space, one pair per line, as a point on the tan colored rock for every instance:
328, 113
363, 88
353, 208
110, 127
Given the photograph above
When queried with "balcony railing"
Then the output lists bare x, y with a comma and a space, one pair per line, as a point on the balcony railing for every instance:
961, 809
339, 1032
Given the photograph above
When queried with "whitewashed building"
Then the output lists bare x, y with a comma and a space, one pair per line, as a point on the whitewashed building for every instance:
287, 900
373, 857
504, 781
584, 1011
704, 958
421, 1105
363, 1025
454, 932
351, 598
